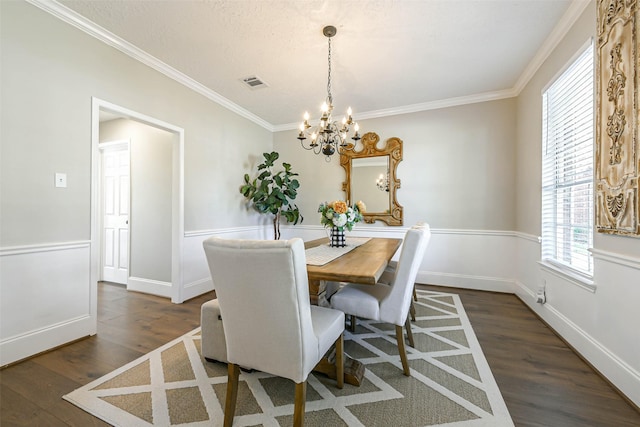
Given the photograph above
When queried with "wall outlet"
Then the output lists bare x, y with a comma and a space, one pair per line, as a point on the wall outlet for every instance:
61, 180
543, 286
541, 296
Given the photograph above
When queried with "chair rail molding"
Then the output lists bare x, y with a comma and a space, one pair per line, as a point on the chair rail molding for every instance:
616, 258
43, 247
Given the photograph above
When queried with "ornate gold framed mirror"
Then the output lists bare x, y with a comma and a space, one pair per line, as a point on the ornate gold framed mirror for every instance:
371, 177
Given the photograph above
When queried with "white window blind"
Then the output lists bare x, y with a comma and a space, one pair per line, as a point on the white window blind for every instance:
567, 167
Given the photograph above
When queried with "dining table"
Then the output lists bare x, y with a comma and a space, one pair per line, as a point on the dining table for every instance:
363, 262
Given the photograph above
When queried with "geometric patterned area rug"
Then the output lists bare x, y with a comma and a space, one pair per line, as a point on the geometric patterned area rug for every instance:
450, 383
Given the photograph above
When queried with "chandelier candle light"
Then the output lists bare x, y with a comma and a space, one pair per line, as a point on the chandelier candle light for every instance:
327, 137
383, 182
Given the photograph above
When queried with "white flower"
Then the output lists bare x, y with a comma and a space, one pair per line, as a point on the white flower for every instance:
351, 215
340, 220
329, 214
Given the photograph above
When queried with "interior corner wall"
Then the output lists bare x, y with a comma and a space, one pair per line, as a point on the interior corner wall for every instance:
456, 174
602, 324
50, 73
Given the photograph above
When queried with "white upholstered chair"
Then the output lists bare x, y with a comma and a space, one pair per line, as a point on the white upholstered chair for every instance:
386, 278
269, 323
390, 271
389, 303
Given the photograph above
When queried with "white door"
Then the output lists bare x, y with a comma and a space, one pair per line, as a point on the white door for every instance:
115, 200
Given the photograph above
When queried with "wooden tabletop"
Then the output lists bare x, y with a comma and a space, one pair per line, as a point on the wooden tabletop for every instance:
363, 264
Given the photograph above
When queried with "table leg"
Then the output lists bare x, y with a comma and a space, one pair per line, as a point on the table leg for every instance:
316, 289
353, 369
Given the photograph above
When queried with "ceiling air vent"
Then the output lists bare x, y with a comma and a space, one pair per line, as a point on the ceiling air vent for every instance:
254, 82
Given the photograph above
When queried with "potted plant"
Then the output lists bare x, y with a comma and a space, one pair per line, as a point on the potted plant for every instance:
273, 192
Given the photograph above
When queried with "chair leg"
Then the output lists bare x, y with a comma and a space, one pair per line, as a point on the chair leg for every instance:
340, 361
232, 394
353, 323
298, 407
407, 325
412, 308
402, 350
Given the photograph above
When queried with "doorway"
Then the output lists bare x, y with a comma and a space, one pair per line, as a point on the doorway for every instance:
172, 183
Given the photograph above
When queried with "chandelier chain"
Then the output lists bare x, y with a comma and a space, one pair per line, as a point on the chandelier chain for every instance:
329, 97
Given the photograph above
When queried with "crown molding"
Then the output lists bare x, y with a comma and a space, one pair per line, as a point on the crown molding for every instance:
73, 18
425, 106
69, 16
569, 18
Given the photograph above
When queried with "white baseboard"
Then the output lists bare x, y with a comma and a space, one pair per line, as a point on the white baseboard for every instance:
20, 347
149, 286
492, 284
619, 373
197, 288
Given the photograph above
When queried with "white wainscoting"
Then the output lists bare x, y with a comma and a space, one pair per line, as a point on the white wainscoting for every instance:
45, 290
45, 298
601, 323
195, 270
470, 259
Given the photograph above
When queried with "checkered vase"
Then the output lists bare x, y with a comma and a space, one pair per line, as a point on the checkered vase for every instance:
338, 239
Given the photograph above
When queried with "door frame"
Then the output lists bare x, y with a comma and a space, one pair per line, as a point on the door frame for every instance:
177, 197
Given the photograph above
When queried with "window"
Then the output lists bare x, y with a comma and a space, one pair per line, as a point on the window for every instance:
567, 168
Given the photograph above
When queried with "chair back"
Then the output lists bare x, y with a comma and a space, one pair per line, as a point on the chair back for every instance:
395, 307
263, 292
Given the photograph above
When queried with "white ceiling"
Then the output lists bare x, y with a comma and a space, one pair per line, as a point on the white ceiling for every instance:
388, 55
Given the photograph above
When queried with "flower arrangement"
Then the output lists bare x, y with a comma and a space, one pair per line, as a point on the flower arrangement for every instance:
340, 215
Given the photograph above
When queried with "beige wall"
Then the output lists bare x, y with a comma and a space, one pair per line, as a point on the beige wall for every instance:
457, 170
50, 72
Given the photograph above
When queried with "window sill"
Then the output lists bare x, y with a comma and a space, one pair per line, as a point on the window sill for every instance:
566, 274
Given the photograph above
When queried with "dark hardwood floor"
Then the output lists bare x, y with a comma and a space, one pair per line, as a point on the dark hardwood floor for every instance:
544, 383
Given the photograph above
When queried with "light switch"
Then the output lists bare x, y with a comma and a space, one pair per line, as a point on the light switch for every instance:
61, 180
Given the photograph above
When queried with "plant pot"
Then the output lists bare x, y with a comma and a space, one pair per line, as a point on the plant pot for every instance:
337, 238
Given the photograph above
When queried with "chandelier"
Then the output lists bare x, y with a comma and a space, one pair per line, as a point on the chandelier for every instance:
328, 137
383, 182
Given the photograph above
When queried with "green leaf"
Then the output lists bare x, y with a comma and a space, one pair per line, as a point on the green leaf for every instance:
271, 191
